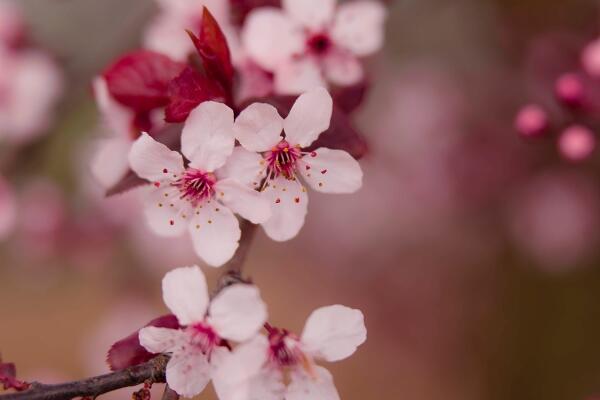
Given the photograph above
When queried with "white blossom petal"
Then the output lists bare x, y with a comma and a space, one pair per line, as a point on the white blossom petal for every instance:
116, 116
331, 171
238, 312
270, 37
188, 371
215, 233
185, 293
342, 69
358, 26
244, 166
166, 34
110, 161
289, 204
207, 138
306, 387
334, 332
313, 14
258, 127
298, 75
246, 202
309, 117
150, 159
161, 340
166, 214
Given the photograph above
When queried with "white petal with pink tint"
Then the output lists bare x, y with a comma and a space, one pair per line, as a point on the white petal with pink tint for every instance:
306, 387
309, 117
238, 312
207, 138
215, 233
334, 332
258, 127
244, 166
331, 171
297, 75
150, 159
8, 209
270, 37
188, 371
109, 162
342, 68
289, 204
117, 117
242, 200
185, 293
160, 340
166, 214
166, 34
358, 26
313, 14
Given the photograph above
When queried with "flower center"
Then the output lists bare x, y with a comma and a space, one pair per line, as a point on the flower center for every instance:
204, 337
196, 186
319, 44
284, 349
281, 160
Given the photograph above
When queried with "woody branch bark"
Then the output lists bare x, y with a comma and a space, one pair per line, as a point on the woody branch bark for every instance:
153, 370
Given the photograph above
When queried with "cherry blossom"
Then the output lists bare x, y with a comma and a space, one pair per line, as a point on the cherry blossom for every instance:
310, 42
258, 369
577, 143
236, 313
280, 161
198, 197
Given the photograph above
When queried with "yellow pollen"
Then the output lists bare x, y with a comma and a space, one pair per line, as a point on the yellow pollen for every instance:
210, 221
197, 226
320, 183
286, 150
160, 204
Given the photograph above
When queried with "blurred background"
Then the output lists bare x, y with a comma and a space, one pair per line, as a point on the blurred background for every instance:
472, 251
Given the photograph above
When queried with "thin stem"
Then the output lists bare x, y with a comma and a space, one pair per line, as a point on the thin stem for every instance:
153, 370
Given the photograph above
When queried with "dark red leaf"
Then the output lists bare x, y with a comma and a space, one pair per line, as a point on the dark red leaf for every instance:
341, 134
349, 98
139, 80
241, 8
170, 136
8, 377
214, 51
188, 90
128, 351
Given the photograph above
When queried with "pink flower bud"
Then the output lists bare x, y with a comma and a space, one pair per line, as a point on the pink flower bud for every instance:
576, 143
590, 58
531, 121
569, 90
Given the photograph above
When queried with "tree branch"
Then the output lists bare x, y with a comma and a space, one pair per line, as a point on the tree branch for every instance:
153, 370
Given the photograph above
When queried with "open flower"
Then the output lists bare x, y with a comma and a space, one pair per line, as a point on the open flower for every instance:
197, 197
311, 42
258, 369
237, 314
283, 159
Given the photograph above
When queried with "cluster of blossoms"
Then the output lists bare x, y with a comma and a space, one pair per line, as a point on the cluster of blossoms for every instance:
260, 366
207, 153
572, 117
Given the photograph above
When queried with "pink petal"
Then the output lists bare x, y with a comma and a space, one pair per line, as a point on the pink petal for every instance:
185, 293
305, 387
309, 117
110, 161
117, 117
166, 34
150, 159
297, 75
207, 137
358, 27
312, 14
331, 171
334, 332
238, 312
188, 372
244, 166
161, 340
271, 38
166, 214
590, 58
343, 69
289, 204
242, 200
215, 233
258, 127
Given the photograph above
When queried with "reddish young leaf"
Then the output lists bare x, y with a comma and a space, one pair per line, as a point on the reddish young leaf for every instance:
341, 133
128, 351
349, 98
8, 377
214, 51
188, 90
139, 80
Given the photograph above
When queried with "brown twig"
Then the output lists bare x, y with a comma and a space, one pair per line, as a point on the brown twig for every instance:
153, 370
